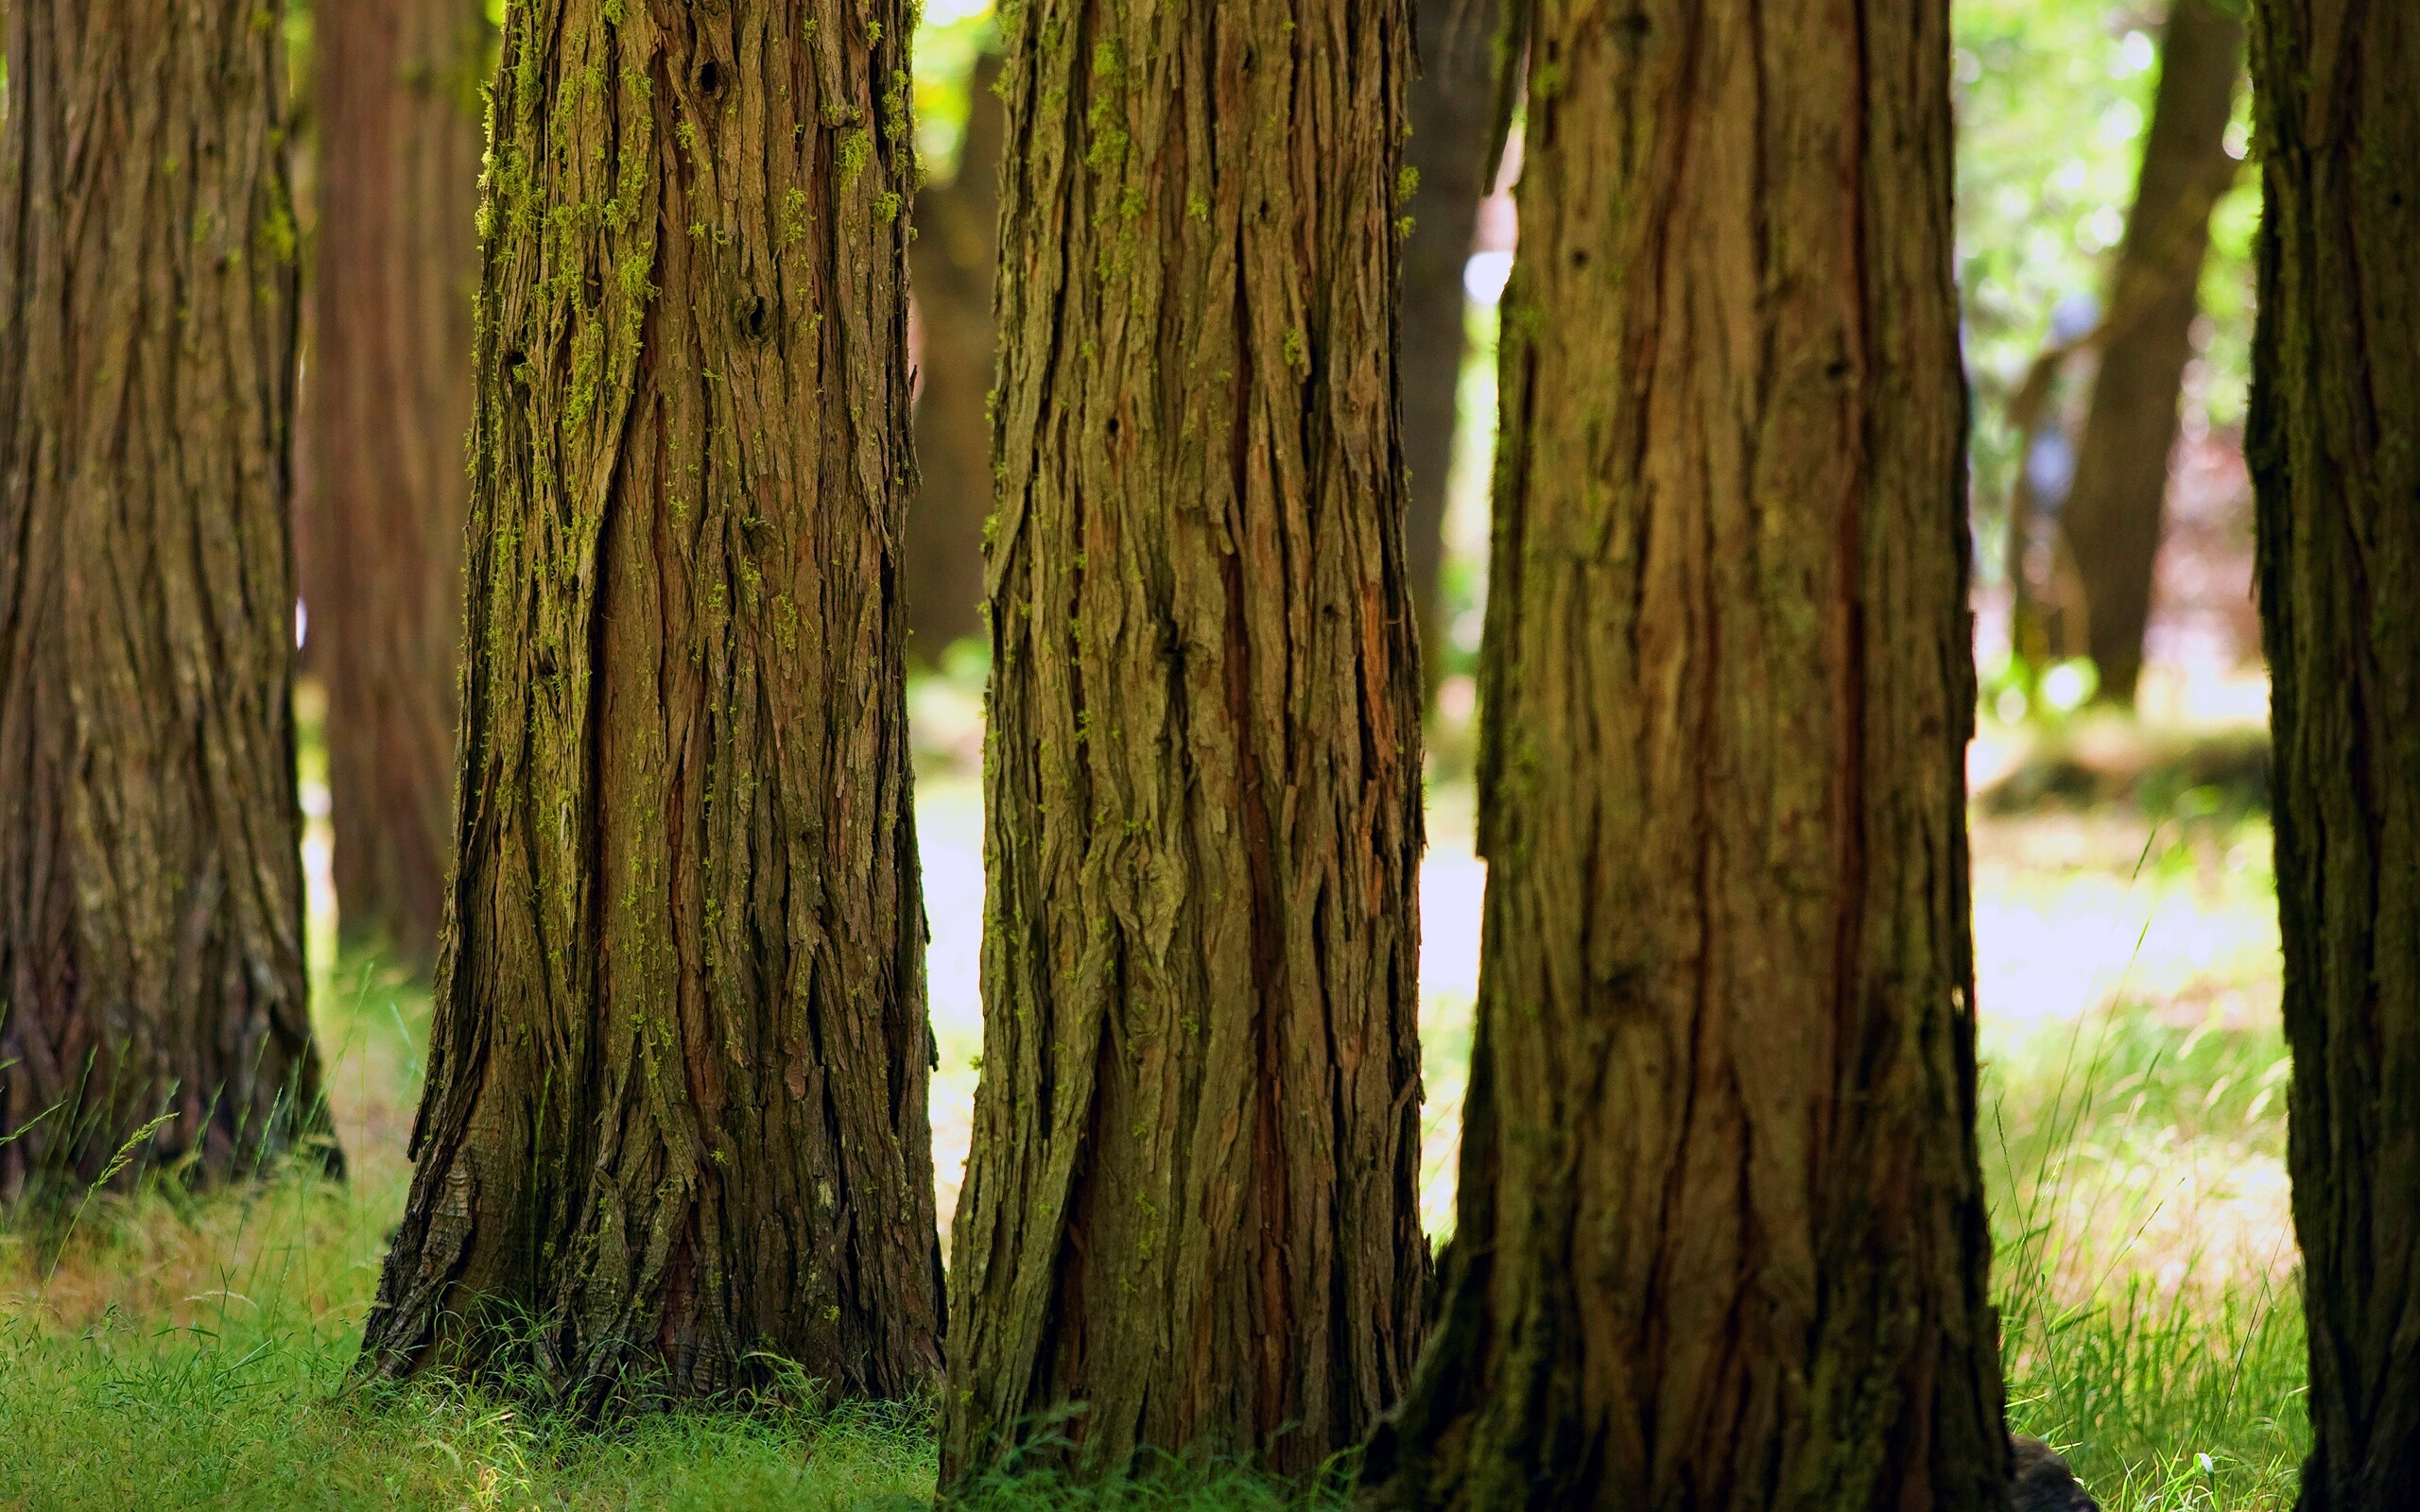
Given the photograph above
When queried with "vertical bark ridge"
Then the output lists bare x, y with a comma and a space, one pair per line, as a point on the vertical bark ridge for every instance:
1721, 1238
676, 1116
150, 882
1190, 1221
2334, 412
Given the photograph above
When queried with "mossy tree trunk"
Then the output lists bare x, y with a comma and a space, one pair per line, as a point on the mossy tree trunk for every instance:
2334, 416
151, 881
956, 250
395, 266
676, 1108
2113, 515
1453, 103
1721, 1238
1189, 1215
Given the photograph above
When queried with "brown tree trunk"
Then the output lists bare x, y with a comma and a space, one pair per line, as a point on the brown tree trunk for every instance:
1721, 1238
388, 407
676, 1109
1453, 104
150, 881
2335, 409
955, 250
2112, 518
1190, 1217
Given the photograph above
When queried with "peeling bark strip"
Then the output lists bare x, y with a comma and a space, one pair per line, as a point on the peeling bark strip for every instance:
1189, 1215
151, 881
1721, 1238
394, 269
676, 1113
2335, 419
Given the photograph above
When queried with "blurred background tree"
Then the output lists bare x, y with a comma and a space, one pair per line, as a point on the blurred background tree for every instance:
951, 264
2058, 138
397, 90
1453, 118
2114, 507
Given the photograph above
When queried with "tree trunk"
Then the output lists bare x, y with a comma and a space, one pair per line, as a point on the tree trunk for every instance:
676, 1110
1453, 104
2112, 516
2335, 406
955, 250
1190, 1217
150, 880
395, 269
1721, 1238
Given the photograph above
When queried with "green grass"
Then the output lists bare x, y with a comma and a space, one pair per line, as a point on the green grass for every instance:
2134, 1152
197, 1352
2148, 1315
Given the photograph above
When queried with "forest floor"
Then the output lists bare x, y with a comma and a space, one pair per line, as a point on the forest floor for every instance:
176, 1353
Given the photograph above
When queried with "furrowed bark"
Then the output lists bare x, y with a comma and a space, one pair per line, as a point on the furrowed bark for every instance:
676, 1111
1190, 1221
956, 248
1721, 1238
2113, 514
150, 882
1453, 104
2335, 408
395, 269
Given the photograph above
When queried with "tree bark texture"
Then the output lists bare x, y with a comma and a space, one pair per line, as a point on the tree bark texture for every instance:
395, 269
2113, 514
2334, 412
1191, 1217
1453, 106
150, 881
955, 250
676, 1109
1720, 1239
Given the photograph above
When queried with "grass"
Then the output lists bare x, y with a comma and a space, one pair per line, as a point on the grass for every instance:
2133, 1141
181, 1353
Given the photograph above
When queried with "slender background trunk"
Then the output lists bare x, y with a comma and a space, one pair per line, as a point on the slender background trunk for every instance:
1721, 1238
388, 407
676, 1111
2335, 410
956, 248
1190, 1213
150, 885
2112, 517
1453, 103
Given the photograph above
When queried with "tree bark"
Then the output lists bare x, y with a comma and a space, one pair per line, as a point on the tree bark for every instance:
2112, 513
955, 250
1721, 1238
2335, 406
676, 1110
151, 881
1190, 1215
388, 409
1453, 103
